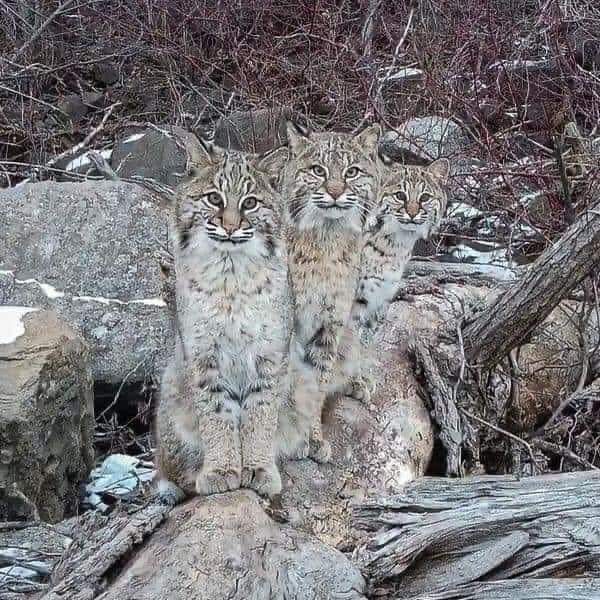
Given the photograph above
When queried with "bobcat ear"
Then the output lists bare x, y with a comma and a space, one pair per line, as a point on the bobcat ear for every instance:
297, 136
440, 169
369, 138
271, 163
205, 151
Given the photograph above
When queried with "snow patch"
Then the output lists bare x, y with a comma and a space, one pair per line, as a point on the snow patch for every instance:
13, 572
404, 73
518, 63
49, 290
119, 475
11, 322
107, 301
134, 138
84, 160
462, 209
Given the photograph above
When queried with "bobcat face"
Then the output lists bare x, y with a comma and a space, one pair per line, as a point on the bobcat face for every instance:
332, 178
228, 203
414, 197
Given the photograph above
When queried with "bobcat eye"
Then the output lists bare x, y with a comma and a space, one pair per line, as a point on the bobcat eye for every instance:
249, 203
318, 170
425, 198
400, 197
352, 172
214, 200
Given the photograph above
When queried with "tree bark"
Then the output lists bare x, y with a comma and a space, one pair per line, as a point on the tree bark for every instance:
447, 538
509, 320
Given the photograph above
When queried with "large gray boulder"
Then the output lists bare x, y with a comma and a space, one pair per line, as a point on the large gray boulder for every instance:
424, 139
158, 153
46, 415
256, 130
88, 251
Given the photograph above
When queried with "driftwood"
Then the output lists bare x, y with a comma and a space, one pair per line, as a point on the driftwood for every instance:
513, 316
221, 546
470, 368
486, 537
524, 589
99, 546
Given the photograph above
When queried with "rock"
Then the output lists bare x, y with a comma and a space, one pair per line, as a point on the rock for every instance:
46, 416
255, 131
74, 107
424, 139
376, 448
161, 154
105, 72
94, 99
226, 546
87, 251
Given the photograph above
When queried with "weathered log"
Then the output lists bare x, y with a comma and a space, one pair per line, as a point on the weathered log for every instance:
446, 536
221, 546
98, 547
522, 589
509, 320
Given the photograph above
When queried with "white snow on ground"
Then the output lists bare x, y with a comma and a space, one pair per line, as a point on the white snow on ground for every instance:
13, 572
119, 475
496, 255
11, 323
49, 290
101, 300
518, 63
134, 138
84, 160
462, 209
405, 73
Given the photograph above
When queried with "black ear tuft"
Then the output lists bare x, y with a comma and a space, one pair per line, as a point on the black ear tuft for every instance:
297, 136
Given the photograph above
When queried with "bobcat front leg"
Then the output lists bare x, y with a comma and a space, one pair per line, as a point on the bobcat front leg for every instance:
258, 440
218, 418
321, 354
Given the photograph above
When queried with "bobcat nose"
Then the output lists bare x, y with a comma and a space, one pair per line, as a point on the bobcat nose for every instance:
230, 221
412, 209
335, 189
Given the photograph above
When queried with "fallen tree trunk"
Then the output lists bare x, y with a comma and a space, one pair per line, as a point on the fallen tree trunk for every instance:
449, 538
471, 366
524, 589
511, 318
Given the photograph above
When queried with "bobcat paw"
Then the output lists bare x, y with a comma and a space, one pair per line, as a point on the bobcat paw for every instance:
216, 481
301, 451
320, 451
360, 389
169, 493
265, 481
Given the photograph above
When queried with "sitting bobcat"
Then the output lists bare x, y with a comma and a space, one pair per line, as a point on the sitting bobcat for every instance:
222, 390
411, 204
330, 185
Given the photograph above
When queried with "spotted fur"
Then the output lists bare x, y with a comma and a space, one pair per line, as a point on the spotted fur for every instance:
411, 204
223, 389
330, 185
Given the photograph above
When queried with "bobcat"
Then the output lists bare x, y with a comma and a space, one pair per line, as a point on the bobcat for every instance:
330, 184
223, 388
411, 204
